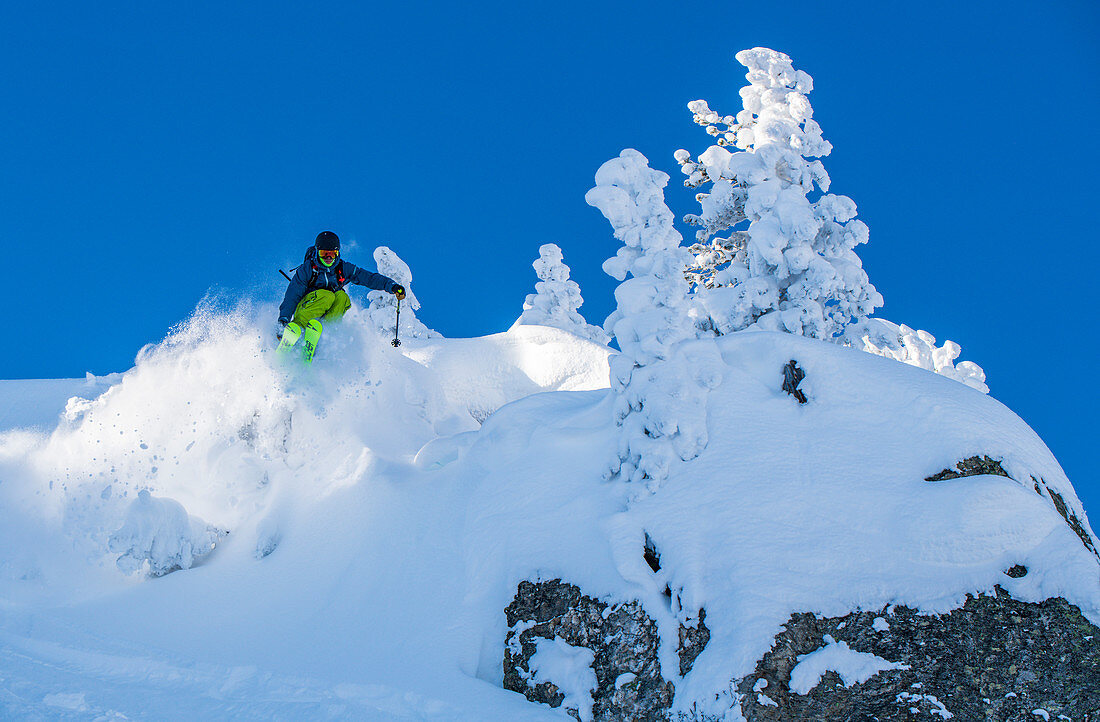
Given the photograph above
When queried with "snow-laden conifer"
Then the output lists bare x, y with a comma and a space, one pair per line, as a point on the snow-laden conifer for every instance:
661, 385
557, 298
383, 306
785, 262
788, 263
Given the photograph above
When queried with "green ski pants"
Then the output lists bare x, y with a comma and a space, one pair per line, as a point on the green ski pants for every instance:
322, 304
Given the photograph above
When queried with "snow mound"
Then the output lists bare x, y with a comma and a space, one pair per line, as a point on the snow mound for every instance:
821, 507
483, 374
160, 536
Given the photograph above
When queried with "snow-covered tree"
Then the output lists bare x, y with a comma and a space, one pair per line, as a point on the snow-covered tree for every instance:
661, 392
556, 298
383, 306
916, 348
792, 266
785, 262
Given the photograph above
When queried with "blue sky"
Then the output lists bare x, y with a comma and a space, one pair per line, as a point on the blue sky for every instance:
154, 153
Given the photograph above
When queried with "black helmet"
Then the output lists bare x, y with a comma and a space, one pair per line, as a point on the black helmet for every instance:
327, 241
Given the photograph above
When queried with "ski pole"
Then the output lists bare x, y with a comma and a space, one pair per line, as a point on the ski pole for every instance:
396, 341
284, 275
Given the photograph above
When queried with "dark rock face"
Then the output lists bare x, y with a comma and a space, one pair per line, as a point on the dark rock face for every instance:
995, 659
1075, 524
623, 638
792, 377
692, 642
974, 466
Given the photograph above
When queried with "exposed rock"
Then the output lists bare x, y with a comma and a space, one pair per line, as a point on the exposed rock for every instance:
623, 638
974, 466
651, 555
1075, 524
995, 659
792, 377
692, 642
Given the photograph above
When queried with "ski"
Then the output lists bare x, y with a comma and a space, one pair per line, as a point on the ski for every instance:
291, 333
310, 336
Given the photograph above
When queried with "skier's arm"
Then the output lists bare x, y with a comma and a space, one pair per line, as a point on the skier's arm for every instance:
297, 288
375, 281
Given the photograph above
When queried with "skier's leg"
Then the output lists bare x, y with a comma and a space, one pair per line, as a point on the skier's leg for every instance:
340, 305
314, 304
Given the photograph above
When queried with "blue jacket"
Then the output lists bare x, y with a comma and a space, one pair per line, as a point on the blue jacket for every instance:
313, 274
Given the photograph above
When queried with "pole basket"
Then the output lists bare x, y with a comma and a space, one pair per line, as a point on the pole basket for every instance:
397, 324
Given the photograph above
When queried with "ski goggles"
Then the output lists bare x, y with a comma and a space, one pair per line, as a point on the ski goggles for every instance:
328, 256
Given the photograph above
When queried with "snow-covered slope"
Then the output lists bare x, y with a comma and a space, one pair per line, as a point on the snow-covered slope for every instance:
370, 531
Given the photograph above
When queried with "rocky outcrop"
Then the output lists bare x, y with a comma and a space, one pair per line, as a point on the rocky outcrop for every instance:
623, 638
995, 659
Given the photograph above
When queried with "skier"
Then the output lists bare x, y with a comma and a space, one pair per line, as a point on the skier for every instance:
317, 289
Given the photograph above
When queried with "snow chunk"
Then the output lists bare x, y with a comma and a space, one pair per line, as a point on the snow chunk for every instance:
624, 679
160, 533
853, 667
937, 707
762, 699
880, 625
569, 669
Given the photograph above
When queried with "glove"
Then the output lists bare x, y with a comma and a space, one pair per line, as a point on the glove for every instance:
399, 291
280, 329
